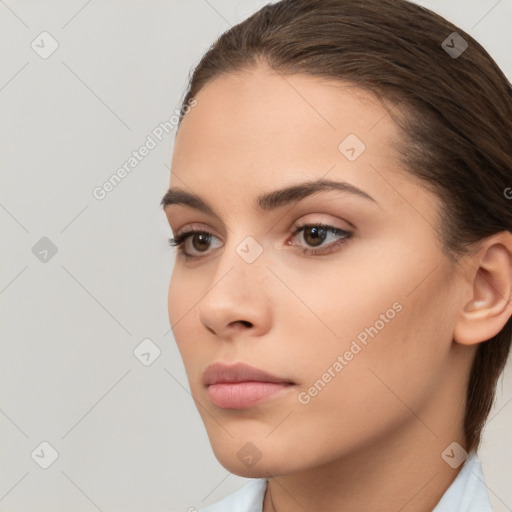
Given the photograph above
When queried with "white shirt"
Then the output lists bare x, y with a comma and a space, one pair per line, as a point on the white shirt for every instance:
467, 493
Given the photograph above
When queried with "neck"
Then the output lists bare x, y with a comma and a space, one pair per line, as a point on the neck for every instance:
405, 473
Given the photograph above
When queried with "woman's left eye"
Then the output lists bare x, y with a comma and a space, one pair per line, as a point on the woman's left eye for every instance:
314, 235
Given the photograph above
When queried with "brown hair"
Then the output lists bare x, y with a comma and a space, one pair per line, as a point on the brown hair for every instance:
457, 131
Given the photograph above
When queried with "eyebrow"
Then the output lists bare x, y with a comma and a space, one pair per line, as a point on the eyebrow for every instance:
267, 201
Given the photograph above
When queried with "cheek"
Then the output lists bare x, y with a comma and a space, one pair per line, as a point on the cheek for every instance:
186, 288
181, 301
361, 397
366, 325
175, 306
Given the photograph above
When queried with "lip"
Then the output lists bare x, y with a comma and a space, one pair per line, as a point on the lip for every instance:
240, 386
239, 372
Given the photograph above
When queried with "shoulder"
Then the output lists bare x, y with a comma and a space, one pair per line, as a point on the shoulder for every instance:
249, 498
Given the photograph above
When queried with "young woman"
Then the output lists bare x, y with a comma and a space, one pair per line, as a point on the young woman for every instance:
340, 198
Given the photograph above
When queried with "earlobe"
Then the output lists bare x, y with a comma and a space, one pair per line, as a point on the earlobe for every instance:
489, 307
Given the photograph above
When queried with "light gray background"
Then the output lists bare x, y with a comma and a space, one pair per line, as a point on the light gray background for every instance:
128, 436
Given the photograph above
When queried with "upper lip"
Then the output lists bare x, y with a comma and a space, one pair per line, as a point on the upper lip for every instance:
239, 372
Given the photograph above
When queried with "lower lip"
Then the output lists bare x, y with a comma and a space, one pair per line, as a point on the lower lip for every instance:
241, 395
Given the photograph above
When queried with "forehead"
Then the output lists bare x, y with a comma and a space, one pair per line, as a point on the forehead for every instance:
263, 117
256, 131
259, 100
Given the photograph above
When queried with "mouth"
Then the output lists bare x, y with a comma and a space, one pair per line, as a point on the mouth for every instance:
241, 386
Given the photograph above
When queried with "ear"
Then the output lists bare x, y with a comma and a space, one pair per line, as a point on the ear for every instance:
490, 288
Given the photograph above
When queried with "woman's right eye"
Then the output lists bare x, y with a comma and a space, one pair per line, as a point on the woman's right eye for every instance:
199, 240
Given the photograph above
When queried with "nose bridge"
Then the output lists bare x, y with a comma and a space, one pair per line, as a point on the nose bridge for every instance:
243, 226
243, 255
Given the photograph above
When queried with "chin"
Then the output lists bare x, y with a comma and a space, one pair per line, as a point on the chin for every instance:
261, 469
248, 459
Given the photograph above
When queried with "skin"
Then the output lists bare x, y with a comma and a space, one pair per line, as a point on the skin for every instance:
372, 438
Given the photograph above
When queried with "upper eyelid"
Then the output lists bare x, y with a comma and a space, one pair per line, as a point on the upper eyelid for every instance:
331, 223
192, 229
294, 228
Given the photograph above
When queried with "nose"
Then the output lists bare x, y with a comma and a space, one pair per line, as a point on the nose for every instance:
236, 301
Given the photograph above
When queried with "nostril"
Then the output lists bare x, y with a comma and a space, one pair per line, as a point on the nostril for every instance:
244, 322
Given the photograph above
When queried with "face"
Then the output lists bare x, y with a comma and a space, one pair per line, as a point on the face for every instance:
337, 291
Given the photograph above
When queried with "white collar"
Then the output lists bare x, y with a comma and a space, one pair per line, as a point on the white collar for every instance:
467, 493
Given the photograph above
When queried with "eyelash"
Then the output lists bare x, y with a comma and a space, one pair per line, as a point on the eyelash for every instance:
180, 239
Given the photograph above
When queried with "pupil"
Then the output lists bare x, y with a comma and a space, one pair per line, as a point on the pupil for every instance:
203, 241
317, 235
